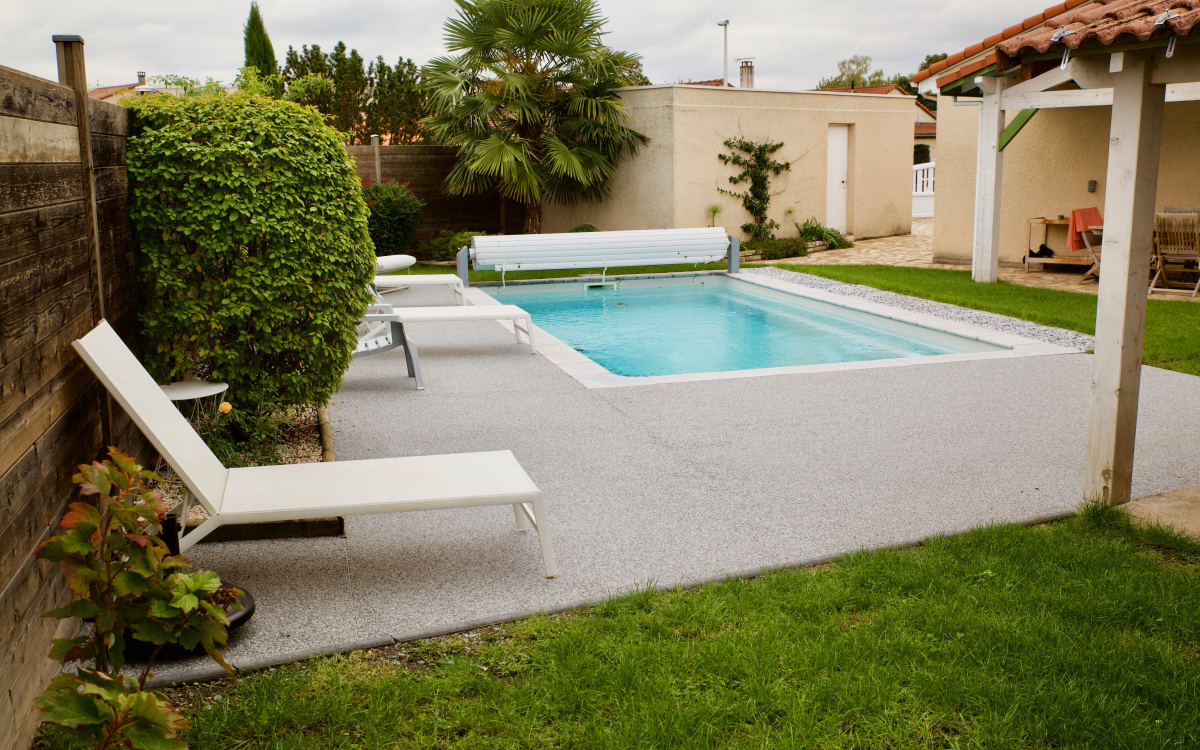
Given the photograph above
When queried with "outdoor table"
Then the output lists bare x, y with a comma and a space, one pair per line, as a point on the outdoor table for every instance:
1047, 222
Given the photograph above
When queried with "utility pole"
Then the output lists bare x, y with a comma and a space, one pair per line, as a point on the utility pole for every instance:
725, 57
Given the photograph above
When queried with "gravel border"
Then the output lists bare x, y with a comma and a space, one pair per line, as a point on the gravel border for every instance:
1002, 323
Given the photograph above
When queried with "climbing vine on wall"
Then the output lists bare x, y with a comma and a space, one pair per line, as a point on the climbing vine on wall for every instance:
757, 165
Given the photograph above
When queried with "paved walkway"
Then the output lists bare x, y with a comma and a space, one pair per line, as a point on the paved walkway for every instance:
916, 250
674, 482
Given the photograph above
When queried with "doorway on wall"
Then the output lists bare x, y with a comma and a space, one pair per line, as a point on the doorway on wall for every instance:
837, 185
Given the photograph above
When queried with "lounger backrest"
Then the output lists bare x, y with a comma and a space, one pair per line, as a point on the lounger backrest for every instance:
649, 247
154, 414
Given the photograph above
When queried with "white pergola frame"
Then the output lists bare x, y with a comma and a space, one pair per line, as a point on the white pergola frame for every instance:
1136, 83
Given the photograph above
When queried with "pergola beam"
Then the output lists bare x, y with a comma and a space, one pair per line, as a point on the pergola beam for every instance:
1135, 141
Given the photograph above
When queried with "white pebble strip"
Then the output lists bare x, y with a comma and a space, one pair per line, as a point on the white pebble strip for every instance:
1003, 323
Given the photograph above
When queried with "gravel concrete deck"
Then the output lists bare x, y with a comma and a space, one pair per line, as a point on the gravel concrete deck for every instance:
678, 481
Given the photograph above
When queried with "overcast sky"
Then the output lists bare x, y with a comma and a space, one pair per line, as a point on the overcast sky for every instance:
794, 42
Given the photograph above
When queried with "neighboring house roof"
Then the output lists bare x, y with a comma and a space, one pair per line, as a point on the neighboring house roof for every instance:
1104, 22
886, 88
104, 92
714, 82
925, 129
932, 113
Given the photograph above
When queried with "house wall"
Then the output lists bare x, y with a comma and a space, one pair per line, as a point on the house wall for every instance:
49, 401
1046, 171
671, 181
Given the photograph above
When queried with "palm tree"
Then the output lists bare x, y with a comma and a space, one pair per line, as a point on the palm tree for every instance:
530, 102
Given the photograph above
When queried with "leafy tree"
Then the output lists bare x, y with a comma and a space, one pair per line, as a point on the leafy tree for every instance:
931, 59
757, 167
530, 102
359, 100
855, 71
259, 52
397, 104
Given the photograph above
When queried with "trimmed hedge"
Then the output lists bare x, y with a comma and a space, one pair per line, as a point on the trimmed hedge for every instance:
395, 215
255, 248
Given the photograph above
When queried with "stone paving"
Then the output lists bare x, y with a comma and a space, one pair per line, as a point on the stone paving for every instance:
916, 250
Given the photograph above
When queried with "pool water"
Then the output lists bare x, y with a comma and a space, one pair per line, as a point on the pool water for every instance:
715, 324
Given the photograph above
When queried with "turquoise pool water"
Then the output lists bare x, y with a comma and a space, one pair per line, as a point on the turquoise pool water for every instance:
715, 324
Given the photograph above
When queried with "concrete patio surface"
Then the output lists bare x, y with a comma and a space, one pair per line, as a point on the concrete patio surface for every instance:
674, 482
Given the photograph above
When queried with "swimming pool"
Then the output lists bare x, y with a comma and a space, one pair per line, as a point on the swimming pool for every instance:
696, 324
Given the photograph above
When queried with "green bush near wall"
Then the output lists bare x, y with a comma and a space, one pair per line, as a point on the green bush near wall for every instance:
395, 215
255, 248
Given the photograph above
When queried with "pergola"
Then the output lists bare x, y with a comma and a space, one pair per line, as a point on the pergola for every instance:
1132, 55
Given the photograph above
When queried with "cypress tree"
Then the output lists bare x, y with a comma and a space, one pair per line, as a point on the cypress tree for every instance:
259, 52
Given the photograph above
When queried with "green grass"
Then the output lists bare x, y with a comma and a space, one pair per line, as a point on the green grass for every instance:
1172, 326
1079, 634
569, 273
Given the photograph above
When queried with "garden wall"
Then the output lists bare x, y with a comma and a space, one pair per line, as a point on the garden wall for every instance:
424, 168
50, 405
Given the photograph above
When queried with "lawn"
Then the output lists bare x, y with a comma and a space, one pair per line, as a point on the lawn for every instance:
1078, 634
1172, 326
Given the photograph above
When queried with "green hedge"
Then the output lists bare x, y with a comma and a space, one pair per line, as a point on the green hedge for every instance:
254, 244
395, 215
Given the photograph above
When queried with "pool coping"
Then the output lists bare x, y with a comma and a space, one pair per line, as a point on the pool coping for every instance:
590, 374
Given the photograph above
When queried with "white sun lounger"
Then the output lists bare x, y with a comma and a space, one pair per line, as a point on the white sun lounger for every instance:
385, 284
301, 491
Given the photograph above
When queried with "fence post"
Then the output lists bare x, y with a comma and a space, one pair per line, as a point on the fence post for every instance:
73, 73
378, 170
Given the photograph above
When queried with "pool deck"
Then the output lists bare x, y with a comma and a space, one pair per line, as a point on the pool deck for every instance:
676, 481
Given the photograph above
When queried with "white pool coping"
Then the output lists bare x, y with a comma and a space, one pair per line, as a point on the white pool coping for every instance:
593, 375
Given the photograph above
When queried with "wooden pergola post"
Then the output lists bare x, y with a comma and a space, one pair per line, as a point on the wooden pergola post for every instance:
989, 178
1135, 139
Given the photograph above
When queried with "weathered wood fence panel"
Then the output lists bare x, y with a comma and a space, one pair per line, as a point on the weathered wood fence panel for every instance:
424, 168
50, 404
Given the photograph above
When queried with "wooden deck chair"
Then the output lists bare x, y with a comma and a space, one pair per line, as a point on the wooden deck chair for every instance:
1091, 244
302, 491
1176, 243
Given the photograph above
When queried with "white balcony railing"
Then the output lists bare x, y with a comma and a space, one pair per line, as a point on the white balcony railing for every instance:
922, 190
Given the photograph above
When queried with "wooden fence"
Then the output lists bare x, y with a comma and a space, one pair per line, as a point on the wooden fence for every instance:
50, 405
424, 168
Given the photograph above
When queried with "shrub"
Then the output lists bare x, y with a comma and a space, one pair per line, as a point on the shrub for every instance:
585, 227
776, 248
813, 231
446, 245
921, 154
395, 215
126, 581
254, 245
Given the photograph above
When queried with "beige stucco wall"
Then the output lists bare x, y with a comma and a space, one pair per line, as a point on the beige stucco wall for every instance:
1046, 171
671, 181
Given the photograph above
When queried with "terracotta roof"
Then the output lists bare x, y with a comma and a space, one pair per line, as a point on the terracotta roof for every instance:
886, 88
931, 112
991, 41
925, 129
106, 91
714, 82
1105, 22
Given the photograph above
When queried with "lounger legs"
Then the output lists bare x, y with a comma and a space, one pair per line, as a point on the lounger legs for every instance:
527, 330
410, 354
537, 516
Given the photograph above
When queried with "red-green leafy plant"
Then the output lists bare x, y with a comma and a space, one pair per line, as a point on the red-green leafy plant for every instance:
125, 581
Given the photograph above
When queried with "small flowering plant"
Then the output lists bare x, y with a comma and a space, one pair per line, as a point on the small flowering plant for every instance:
125, 581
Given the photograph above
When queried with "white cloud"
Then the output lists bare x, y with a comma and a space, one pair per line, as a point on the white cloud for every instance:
794, 43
